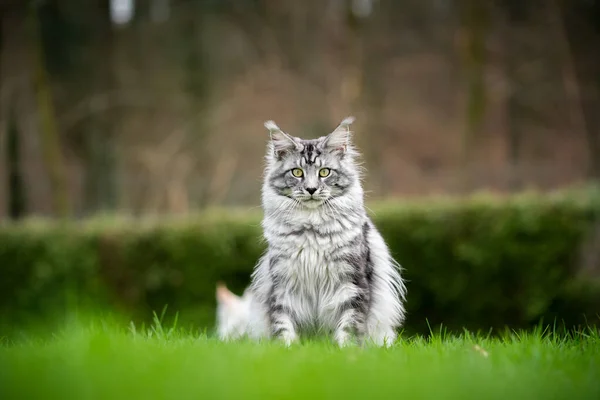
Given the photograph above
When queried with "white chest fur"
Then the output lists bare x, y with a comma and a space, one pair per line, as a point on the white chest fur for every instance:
313, 270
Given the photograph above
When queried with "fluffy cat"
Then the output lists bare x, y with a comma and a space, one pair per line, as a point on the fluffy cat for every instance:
238, 316
327, 268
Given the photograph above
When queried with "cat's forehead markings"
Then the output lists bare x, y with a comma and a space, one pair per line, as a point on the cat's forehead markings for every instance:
309, 153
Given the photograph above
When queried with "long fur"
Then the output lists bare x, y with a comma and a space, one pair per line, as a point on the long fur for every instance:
327, 268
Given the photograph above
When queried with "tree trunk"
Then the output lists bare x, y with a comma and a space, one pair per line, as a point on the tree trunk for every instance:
50, 137
582, 26
16, 188
474, 21
373, 100
515, 14
196, 85
100, 138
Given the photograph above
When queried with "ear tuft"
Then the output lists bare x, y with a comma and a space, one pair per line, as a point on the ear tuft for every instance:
339, 139
281, 141
271, 126
347, 121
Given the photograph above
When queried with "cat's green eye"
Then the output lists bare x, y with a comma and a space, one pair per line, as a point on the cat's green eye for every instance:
323, 172
297, 172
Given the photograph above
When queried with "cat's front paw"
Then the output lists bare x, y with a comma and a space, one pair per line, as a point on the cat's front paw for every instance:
288, 338
384, 338
343, 339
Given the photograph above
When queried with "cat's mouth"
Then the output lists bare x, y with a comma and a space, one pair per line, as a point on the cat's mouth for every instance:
311, 202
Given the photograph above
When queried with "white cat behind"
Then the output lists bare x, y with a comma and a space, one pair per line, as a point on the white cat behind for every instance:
235, 316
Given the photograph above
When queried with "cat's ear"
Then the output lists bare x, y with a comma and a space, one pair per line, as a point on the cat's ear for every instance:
225, 296
339, 139
281, 141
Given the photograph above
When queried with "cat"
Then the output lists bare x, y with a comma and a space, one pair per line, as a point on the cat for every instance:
235, 315
326, 268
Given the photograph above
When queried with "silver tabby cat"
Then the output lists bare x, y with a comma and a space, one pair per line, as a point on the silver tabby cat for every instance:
327, 268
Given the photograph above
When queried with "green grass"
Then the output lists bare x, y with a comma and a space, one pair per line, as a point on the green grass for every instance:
101, 360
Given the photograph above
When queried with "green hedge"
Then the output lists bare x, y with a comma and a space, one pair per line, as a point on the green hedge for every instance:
475, 263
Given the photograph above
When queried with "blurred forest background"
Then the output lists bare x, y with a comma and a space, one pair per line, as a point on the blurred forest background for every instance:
157, 106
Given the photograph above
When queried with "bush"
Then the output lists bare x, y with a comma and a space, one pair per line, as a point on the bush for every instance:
476, 263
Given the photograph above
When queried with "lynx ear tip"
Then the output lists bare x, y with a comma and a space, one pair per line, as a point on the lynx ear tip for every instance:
271, 125
348, 120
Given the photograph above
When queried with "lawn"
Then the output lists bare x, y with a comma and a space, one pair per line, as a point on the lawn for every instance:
107, 361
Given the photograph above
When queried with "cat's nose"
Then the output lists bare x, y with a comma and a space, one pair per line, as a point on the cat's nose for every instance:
311, 190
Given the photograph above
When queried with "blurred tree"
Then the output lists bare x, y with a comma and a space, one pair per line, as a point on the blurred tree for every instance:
362, 93
352, 80
78, 40
474, 16
196, 81
515, 16
50, 137
186, 68
160, 10
368, 24
16, 190
100, 136
582, 24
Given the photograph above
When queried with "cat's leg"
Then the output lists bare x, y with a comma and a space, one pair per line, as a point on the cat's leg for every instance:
382, 336
352, 315
281, 320
345, 327
272, 316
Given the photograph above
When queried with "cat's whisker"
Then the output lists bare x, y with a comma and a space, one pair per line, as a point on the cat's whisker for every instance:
282, 207
335, 207
331, 207
289, 210
372, 212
